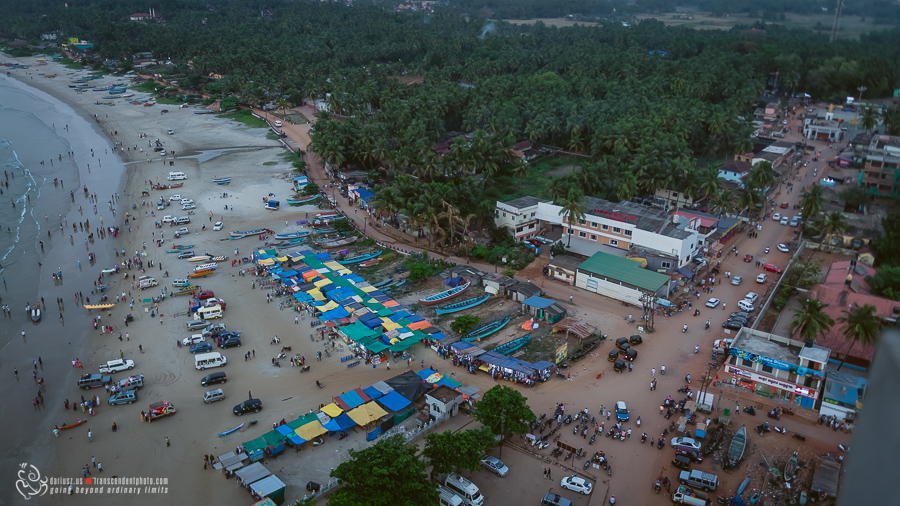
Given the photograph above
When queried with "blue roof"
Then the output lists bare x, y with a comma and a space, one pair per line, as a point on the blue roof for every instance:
538, 302
335, 314
424, 373
372, 392
352, 399
340, 423
394, 401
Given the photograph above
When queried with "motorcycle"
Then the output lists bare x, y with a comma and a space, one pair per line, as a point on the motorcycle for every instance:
657, 486
662, 370
587, 464
275, 340
844, 448
592, 439
609, 472
801, 437
659, 444
780, 430
643, 437
568, 419
684, 329
707, 324
685, 389
750, 410
767, 250
696, 349
773, 414
319, 384
317, 442
285, 348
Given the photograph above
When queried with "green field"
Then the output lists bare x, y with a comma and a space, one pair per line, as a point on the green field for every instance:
246, 117
851, 26
537, 182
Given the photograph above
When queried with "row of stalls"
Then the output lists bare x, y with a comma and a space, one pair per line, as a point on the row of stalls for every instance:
367, 319
500, 367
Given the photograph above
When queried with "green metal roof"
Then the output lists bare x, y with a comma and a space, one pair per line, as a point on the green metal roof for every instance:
621, 269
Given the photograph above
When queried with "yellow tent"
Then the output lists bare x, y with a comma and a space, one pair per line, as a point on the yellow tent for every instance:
316, 294
311, 430
367, 413
332, 410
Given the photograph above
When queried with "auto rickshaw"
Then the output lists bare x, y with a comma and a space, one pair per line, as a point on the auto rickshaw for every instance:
619, 365
613, 356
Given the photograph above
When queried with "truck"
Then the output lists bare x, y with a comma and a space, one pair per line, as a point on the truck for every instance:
720, 346
159, 410
147, 283
685, 495
87, 381
129, 383
113, 366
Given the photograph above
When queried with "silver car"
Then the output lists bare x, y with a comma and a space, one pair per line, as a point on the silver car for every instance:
197, 324
736, 280
686, 441
494, 465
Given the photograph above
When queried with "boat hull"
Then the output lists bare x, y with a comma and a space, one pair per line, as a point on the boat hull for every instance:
462, 305
487, 330
445, 295
512, 346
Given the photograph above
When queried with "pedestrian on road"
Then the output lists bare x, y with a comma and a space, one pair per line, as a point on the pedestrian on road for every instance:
99, 467
250, 393
168, 444
90, 436
653, 372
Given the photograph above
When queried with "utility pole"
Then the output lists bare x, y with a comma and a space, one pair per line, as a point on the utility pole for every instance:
837, 20
861, 90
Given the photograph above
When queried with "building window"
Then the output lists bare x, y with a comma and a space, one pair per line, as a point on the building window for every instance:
628, 233
666, 265
582, 234
766, 368
613, 242
617, 230
504, 214
593, 237
581, 222
593, 224
604, 227
675, 195
569, 231
436, 408
746, 363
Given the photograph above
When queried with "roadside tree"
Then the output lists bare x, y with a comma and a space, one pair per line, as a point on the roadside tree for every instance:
504, 410
448, 451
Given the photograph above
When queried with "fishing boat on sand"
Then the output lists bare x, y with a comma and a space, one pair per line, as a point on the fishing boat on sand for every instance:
512, 346
220, 258
300, 201
398, 284
486, 330
337, 243
185, 290
199, 258
291, 235
200, 274
360, 258
35, 313
76, 424
790, 469
221, 180
183, 246
227, 432
463, 304
445, 295
737, 447
207, 111
370, 263
167, 186
238, 235
382, 284
98, 306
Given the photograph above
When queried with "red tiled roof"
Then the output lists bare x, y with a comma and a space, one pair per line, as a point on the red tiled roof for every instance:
839, 299
737, 166
705, 221
837, 276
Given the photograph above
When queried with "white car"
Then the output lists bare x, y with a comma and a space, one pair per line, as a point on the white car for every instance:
713, 302
751, 297
494, 465
182, 231
686, 441
218, 226
116, 366
173, 198
784, 220
736, 280
194, 339
168, 218
783, 248
576, 484
186, 207
277, 123
761, 278
776, 216
186, 201
170, 131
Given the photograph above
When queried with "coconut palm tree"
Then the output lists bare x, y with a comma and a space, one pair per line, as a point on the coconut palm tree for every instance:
627, 186
573, 209
870, 118
723, 203
711, 182
812, 200
749, 199
833, 224
810, 321
761, 176
861, 326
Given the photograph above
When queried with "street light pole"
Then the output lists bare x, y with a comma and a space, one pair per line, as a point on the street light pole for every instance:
861, 90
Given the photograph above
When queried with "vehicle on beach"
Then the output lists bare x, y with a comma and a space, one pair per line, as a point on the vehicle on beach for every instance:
118, 365
208, 360
713, 302
621, 411
194, 339
129, 383
687, 442
206, 294
230, 342
123, 397
182, 231
218, 226
170, 131
783, 248
186, 201
181, 282
212, 379
202, 347
93, 381
185, 254
175, 197
197, 324
736, 280
254, 405
213, 301
159, 410
187, 207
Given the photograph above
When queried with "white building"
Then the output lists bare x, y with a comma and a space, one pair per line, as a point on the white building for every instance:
519, 216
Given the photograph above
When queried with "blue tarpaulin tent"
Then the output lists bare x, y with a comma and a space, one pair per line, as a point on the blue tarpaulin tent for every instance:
335, 314
341, 423
352, 399
454, 282
394, 402
372, 392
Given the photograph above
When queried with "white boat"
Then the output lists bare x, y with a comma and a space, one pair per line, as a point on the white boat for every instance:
201, 258
203, 267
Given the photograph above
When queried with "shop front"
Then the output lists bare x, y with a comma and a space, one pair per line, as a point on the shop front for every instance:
771, 388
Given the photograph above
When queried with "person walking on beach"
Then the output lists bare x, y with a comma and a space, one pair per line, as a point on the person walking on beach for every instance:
90, 436
168, 444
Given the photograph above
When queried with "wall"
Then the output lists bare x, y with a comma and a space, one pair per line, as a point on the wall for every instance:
607, 288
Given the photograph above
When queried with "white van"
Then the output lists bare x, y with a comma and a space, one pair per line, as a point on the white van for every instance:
176, 176
206, 360
448, 498
181, 220
746, 306
465, 489
208, 313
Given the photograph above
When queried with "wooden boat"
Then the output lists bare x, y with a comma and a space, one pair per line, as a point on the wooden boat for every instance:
292, 235
486, 330
184, 247
790, 469
104, 88
463, 304
200, 274
397, 284
737, 447
206, 267
167, 186
515, 344
220, 258
200, 258
98, 306
382, 284
360, 258
258, 231
185, 290
370, 263
337, 243
221, 180
51, 76
327, 214
73, 425
227, 432
224, 183
207, 111
300, 201
445, 295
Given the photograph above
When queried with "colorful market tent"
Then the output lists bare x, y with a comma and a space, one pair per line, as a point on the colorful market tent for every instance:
311, 430
367, 413
340, 424
394, 402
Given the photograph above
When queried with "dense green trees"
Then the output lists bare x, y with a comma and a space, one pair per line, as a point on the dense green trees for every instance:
810, 321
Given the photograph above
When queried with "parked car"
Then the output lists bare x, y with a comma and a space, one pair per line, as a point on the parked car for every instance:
186, 207
206, 294
175, 197
772, 268
713, 302
690, 453
168, 218
736, 280
118, 365
776, 217
218, 226
192, 340
761, 278
784, 220
740, 313
576, 484
783, 248
170, 131
635, 340
123, 397
197, 324
213, 301
494, 465
182, 231
185, 254
733, 325
686, 441
201, 347
751, 296
230, 342
254, 405
748, 258
621, 411
795, 221
186, 201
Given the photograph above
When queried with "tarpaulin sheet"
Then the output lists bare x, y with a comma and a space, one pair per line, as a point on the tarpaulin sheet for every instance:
372, 392
358, 332
354, 278
334, 314
274, 438
418, 325
424, 373
390, 303
367, 413
462, 346
362, 394
300, 422
311, 430
446, 380
389, 325
316, 295
394, 401
403, 345
382, 387
282, 259
295, 439
255, 445
332, 410
340, 423
266, 261
454, 282
328, 306
308, 275
285, 430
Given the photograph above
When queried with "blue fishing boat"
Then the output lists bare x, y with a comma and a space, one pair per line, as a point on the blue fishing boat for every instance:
303, 200
397, 284
382, 284
486, 330
463, 304
512, 346
360, 258
221, 180
292, 235
227, 432
445, 295
238, 235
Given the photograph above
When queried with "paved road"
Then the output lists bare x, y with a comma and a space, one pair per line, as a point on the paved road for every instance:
636, 466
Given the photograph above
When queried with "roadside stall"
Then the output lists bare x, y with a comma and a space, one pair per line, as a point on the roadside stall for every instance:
270, 487
252, 473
